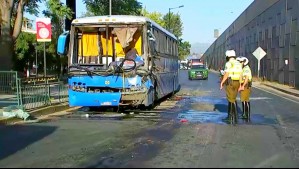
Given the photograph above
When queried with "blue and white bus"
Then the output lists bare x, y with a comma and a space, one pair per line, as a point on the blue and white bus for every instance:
119, 60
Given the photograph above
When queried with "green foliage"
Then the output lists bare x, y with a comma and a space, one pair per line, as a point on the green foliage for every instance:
155, 16
11, 25
184, 49
174, 24
176, 27
24, 50
25, 44
58, 12
119, 7
31, 7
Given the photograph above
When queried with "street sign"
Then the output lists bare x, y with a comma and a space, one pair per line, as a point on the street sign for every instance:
43, 34
259, 53
43, 29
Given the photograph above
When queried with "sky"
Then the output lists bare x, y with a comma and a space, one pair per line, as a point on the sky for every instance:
199, 17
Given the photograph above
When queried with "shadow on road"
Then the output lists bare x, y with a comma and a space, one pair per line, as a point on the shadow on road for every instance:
220, 107
16, 138
223, 108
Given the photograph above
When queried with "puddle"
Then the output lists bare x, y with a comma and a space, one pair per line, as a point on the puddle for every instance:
193, 116
202, 117
211, 100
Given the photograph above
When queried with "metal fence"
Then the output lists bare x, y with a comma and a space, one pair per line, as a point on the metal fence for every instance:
9, 89
30, 93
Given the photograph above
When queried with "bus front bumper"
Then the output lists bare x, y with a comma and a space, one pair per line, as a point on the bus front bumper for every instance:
94, 99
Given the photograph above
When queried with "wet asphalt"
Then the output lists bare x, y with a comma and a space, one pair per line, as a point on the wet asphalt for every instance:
185, 130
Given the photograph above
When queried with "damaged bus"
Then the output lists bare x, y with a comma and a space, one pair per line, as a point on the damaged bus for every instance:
119, 61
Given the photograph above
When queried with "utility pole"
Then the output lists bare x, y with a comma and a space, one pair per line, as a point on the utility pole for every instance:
168, 25
110, 7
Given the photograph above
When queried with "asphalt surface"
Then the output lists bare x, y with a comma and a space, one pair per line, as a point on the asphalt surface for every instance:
185, 131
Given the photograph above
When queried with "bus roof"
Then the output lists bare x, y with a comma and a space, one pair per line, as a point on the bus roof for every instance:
119, 19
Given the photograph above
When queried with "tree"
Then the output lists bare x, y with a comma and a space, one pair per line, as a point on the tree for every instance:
175, 23
184, 49
24, 51
119, 7
176, 26
11, 17
58, 13
155, 16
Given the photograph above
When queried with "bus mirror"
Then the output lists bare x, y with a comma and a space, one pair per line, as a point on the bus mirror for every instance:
62, 44
151, 35
152, 39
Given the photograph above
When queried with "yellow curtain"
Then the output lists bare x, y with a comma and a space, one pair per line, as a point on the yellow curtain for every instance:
119, 50
103, 40
136, 43
90, 45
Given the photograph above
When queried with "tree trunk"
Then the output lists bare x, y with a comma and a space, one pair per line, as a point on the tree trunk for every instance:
7, 51
6, 39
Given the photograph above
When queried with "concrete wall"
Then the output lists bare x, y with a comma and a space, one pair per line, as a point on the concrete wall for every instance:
272, 25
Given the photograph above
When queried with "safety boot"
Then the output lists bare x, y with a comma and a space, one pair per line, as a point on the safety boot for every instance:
244, 110
234, 113
247, 110
229, 108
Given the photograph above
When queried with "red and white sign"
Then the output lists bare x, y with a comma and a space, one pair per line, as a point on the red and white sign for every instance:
43, 29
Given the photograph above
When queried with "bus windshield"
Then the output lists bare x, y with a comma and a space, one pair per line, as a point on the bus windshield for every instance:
103, 44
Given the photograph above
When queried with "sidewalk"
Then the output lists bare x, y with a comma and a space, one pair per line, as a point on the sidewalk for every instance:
273, 85
277, 87
38, 113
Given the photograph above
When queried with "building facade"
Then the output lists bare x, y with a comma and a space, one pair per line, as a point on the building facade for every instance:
272, 25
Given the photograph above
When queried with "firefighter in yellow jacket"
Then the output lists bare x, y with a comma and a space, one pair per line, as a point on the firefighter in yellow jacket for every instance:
232, 79
245, 87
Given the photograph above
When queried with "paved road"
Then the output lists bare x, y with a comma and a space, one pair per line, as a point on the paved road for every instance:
161, 140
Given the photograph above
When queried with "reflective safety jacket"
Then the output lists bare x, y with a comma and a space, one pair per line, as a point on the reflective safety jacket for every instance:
234, 68
247, 72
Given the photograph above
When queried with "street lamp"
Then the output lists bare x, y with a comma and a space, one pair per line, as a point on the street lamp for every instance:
169, 15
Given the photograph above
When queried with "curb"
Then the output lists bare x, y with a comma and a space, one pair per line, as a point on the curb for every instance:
282, 90
276, 88
37, 113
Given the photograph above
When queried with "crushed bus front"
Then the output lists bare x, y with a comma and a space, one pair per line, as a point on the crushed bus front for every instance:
113, 90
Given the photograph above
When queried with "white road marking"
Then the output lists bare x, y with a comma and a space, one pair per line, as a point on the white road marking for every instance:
277, 95
268, 161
